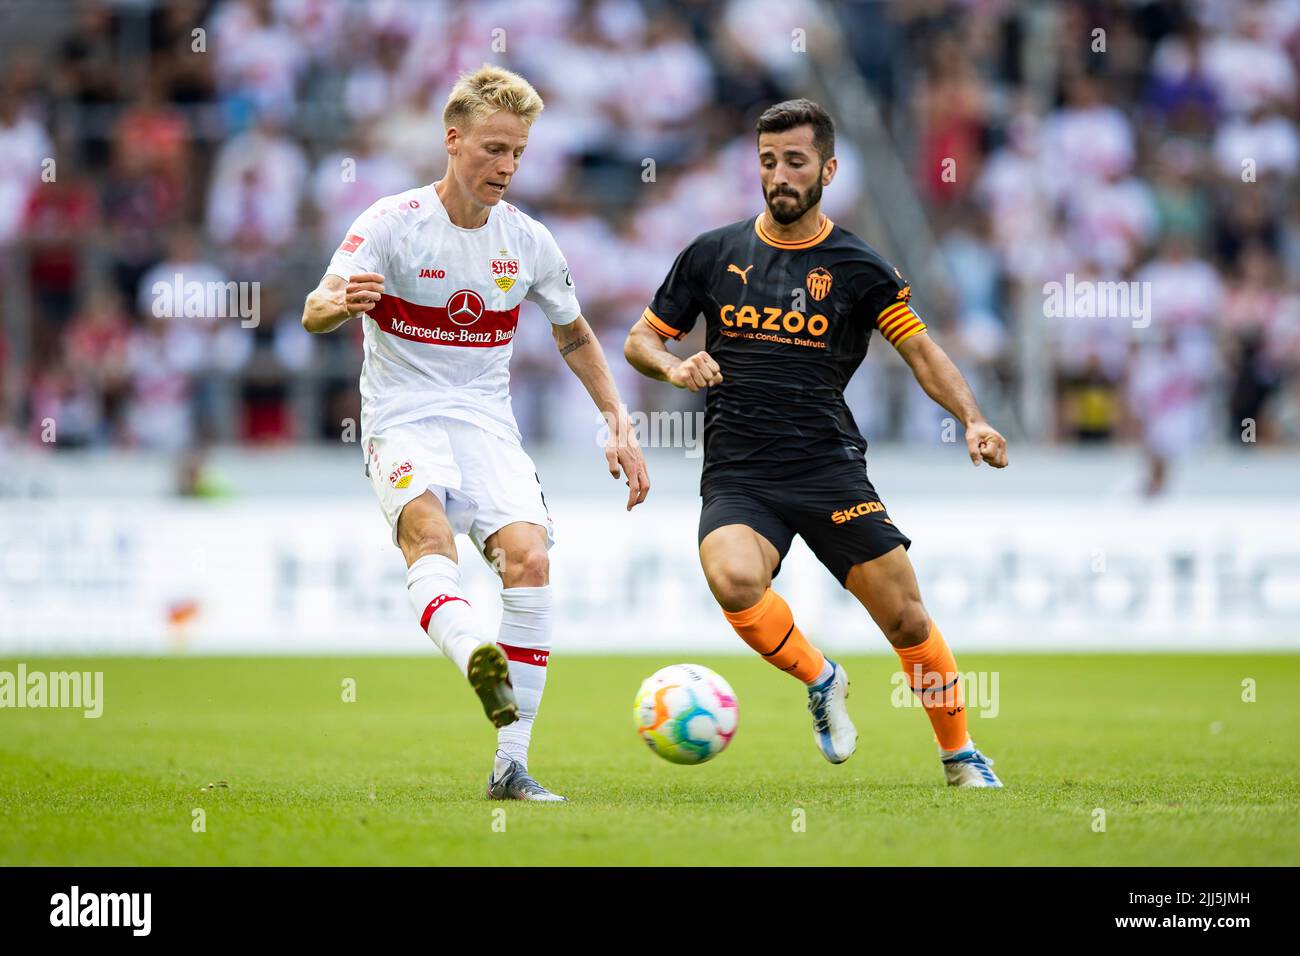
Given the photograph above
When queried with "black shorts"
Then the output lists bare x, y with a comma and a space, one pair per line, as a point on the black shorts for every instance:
839, 516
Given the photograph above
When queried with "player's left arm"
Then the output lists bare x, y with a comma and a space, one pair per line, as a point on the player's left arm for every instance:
581, 350
937, 374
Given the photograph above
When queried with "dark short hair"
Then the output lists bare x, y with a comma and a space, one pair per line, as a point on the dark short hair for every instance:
801, 112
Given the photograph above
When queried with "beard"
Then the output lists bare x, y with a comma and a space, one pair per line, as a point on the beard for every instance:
788, 213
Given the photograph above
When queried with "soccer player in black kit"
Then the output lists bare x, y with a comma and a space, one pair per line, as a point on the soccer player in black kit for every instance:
790, 302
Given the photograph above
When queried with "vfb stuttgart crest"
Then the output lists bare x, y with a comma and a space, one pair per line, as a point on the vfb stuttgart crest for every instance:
504, 273
400, 476
819, 283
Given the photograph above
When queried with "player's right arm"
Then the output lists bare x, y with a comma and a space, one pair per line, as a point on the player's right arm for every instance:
646, 350
354, 281
670, 316
336, 300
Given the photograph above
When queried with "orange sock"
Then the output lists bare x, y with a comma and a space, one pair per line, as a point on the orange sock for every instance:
932, 673
768, 627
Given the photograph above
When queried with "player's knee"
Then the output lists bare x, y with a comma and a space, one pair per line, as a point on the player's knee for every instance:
422, 531
526, 568
911, 626
424, 541
737, 586
419, 539
425, 537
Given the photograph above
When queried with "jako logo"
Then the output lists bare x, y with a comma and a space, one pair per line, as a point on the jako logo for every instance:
102, 909
848, 514
433, 273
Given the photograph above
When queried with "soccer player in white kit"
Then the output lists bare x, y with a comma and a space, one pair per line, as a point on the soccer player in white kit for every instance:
439, 274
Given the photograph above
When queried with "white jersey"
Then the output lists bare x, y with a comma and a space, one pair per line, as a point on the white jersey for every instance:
438, 342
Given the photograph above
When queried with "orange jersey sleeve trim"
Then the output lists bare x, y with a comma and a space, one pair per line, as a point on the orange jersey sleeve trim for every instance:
898, 323
660, 326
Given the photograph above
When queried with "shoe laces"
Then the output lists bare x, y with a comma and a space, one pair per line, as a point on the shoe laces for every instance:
817, 707
973, 757
526, 783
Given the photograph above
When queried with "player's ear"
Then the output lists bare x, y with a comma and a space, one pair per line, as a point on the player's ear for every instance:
452, 140
828, 171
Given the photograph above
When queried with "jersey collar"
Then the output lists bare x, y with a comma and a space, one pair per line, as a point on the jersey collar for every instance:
822, 233
446, 216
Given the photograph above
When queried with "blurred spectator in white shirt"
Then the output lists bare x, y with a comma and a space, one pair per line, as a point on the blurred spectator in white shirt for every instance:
1248, 67
1086, 141
1268, 140
24, 146
257, 59
347, 181
257, 185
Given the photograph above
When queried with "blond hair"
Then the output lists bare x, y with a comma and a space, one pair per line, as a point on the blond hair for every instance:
479, 94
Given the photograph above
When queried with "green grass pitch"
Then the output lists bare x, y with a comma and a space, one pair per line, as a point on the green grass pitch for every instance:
1185, 770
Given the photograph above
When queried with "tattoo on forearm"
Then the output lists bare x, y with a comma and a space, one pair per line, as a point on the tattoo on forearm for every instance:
575, 344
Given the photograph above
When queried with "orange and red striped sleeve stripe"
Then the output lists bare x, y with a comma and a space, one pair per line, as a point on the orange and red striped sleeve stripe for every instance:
660, 326
898, 323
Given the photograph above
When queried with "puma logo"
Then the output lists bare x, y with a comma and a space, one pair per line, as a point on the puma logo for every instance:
744, 278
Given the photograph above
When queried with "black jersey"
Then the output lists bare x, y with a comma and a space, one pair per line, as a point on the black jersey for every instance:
788, 324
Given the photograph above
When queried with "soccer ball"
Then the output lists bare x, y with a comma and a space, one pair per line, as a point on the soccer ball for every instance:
685, 713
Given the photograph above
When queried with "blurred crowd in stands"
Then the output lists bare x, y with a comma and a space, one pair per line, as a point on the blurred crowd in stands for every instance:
1123, 141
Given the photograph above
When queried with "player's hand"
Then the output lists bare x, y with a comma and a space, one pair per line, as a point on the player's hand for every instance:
362, 292
985, 443
697, 372
623, 454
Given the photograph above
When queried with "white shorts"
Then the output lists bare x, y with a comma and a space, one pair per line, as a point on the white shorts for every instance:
483, 482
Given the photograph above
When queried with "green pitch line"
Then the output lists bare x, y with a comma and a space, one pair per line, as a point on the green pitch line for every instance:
1184, 769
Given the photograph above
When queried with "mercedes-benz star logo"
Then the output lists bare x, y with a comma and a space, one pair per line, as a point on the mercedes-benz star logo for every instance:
465, 307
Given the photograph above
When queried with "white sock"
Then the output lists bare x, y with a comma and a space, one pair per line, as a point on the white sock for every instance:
944, 754
433, 585
827, 670
526, 638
